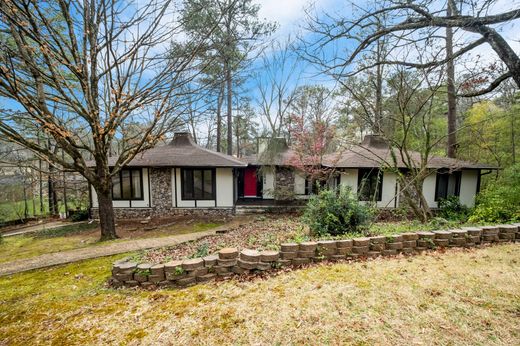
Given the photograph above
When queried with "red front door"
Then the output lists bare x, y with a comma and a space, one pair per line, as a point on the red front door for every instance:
250, 182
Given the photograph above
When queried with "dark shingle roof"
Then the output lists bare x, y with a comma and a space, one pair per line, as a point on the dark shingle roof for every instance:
182, 151
375, 152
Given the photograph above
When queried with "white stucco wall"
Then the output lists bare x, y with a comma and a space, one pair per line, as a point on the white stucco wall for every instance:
268, 181
349, 177
224, 187
429, 189
125, 203
299, 183
388, 194
468, 187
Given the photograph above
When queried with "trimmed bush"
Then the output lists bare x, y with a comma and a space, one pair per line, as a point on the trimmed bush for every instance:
336, 212
500, 200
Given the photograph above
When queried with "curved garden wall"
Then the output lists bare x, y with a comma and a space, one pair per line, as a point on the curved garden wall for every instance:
230, 261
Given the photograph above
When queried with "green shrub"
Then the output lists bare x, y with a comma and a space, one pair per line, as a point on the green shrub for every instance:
79, 215
336, 212
202, 251
451, 209
500, 200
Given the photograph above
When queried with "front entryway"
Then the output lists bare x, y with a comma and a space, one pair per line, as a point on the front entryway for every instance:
249, 183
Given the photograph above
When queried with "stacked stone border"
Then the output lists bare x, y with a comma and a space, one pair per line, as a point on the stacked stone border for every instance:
230, 261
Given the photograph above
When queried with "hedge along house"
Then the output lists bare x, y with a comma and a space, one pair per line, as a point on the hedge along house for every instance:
178, 178
365, 170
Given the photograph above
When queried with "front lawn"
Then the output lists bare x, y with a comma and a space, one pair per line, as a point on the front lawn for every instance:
458, 297
76, 236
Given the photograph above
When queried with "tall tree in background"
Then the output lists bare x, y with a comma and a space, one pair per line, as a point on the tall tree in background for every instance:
232, 42
412, 28
80, 71
279, 75
450, 83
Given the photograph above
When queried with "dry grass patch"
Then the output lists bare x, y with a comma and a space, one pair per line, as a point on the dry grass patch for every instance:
463, 297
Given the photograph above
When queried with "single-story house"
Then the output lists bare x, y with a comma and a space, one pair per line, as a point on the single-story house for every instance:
363, 169
183, 177
176, 178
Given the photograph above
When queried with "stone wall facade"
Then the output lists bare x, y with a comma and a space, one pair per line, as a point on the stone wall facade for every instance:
125, 213
231, 261
143, 213
284, 181
161, 191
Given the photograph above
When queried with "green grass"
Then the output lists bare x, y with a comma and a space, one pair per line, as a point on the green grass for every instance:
70, 237
10, 211
20, 247
65, 230
461, 297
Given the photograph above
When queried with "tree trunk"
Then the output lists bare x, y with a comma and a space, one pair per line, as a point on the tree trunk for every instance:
65, 189
379, 91
237, 134
53, 200
414, 197
229, 110
106, 214
219, 116
452, 102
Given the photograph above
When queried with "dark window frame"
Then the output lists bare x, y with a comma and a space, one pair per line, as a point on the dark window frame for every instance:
363, 174
442, 174
311, 188
213, 196
132, 194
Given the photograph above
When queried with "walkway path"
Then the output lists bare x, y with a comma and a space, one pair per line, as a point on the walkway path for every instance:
57, 258
39, 227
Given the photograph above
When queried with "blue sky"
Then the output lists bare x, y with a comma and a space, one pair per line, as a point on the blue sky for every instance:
290, 15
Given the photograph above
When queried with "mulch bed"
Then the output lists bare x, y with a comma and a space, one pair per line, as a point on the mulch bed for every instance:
261, 233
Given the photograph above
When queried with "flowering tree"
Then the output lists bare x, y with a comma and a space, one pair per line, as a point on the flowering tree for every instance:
311, 140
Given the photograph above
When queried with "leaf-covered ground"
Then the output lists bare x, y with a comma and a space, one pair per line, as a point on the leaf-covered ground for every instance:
460, 297
267, 233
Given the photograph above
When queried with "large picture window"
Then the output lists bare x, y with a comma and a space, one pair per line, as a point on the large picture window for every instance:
370, 184
448, 184
128, 185
198, 184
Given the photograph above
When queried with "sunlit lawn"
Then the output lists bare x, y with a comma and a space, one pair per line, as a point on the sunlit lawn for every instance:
76, 236
462, 297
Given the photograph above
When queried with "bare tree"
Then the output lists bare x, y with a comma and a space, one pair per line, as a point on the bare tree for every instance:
410, 24
80, 71
278, 77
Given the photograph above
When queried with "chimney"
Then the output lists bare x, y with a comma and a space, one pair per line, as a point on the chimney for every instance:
375, 141
182, 139
274, 145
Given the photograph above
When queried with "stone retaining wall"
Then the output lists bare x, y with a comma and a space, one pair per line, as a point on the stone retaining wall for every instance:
231, 261
142, 213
